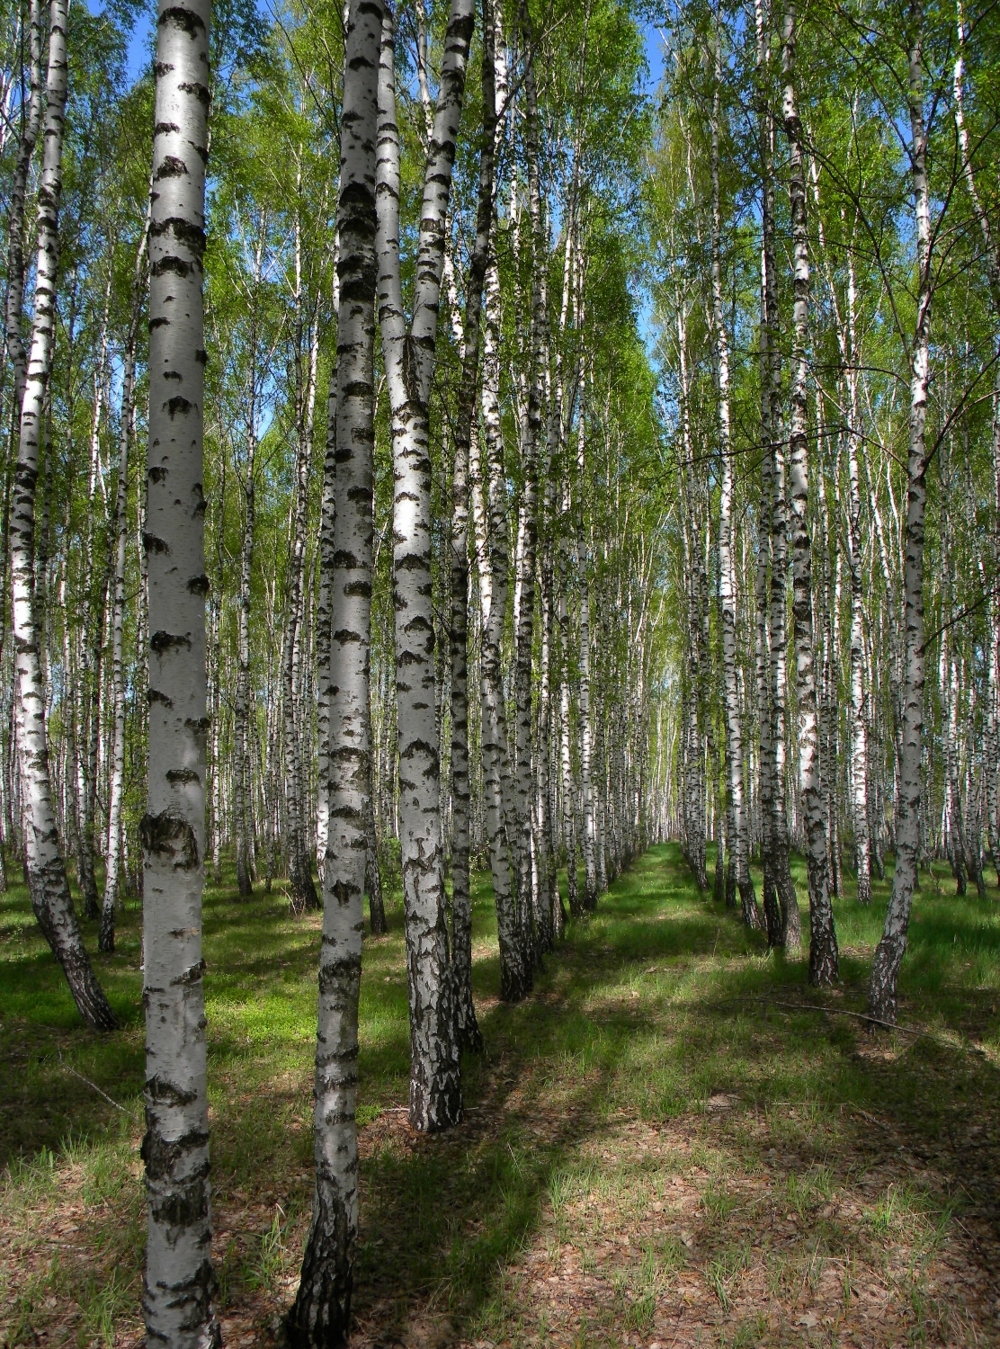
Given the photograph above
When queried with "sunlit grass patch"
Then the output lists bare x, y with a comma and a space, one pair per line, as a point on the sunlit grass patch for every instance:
673, 1120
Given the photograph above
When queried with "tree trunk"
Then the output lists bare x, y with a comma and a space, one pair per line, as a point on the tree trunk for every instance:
48, 884
320, 1316
469, 1035
727, 572
823, 956
892, 945
117, 778
515, 967
180, 1283
241, 706
435, 1084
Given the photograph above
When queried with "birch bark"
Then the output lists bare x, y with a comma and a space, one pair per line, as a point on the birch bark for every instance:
409, 351
106, 940
320, 1316
823, 958
892, 945
47, 881
469, 1035
727, 573
515, 966
179, 1284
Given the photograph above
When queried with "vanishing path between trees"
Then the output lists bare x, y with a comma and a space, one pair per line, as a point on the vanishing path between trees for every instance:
673, 1142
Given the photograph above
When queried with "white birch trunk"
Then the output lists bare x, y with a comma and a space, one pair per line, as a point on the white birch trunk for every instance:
727, 573
435, 1085
117, 776
823, 958
320, 1317
892, 946
47, 881
180, 1283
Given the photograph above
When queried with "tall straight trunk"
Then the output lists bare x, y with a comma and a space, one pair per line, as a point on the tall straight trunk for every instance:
549, 912
302, 889
320, 1316
892, 945
694, 775
991, 247
93, 617
48, 884
823, 956
791, 920
727, 572
859, 700
373, 867
469, 1035
531, 424
494, 574
590, 883
180, 1283
409, 352
780, 904
116, 791
324, 606
241, 705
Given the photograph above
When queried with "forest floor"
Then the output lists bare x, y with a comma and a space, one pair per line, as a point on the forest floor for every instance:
673, 1142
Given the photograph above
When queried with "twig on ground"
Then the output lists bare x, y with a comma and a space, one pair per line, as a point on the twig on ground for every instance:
859, 1016
94, 1087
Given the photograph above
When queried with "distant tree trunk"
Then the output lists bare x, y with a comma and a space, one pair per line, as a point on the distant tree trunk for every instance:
48, 884
534, 941
515, 968
373, 869
241, 706
409, 351
180, 1283
117, 778
890, 950
992, 250
823, 958
302, 889
324, 610
727, 573
590, 882
469, 1035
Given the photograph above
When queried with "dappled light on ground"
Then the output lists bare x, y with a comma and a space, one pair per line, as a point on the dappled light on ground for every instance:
673, 1142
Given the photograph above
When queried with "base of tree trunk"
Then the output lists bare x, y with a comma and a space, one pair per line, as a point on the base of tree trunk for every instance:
320, 1317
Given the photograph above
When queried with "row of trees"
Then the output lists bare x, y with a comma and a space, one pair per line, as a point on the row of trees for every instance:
828, 311
386, 601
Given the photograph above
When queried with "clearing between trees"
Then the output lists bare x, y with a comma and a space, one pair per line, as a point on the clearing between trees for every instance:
672, 1142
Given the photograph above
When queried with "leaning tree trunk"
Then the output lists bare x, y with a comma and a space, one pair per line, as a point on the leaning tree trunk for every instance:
435, 1083
823, 958
180, 1283
47, 881
320, 1316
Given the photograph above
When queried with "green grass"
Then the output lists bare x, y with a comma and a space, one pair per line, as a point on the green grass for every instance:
652, 1091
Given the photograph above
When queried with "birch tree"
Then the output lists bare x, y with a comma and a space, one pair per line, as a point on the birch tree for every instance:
179, 1283
409, 351
320, 1317
47, 880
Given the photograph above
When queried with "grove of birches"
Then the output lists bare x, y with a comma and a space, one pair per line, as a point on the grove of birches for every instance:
433, 444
